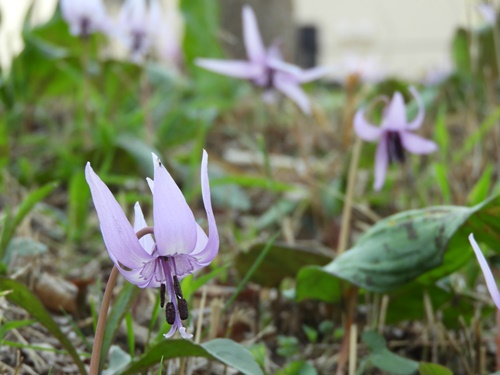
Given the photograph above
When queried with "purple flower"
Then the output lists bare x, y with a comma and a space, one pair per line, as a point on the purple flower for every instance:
488, 12
180, 248
394, 136
488, 276
85, 16
138, 27
266, 68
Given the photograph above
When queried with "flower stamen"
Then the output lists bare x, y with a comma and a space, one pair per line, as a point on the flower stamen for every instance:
395, 147
162, 295
170, 313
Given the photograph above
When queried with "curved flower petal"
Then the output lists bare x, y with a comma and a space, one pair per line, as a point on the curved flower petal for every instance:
416, 144
232, 68
313, 74
119, 236
146, 241
417, 121
175, 227
287, 86
381, 163
256, 51
211, 247
488, 276
282, 66
395, 114
364, 129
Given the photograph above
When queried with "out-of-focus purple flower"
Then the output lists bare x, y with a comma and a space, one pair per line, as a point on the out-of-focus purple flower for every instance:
394, 135
488, 275
488, 12
168, 45
138, 27
438, 73
366, 69
265, 67
85, 16
180, 247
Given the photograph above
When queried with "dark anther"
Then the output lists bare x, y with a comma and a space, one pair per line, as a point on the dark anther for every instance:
162, 295
395, 147
177, 287
170, 313
84, 27
182, 305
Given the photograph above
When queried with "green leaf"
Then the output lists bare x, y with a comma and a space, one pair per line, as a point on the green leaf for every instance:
298, 368
282, 261
233, 354
441, 131
120, 308
480, 190
442, 180
7, 326
489, 123
433, 369
78, 206
118, 360
315, 283
427, 244
26, 206
139, 150
24, 246
460, 52
224, 350
23, 297
384, 359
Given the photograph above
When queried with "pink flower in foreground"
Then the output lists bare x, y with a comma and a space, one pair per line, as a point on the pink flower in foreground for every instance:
394, 135
488, 276
85, 16
180, 246
266, 68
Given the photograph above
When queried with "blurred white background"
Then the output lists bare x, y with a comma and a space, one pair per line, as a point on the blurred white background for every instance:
405, 37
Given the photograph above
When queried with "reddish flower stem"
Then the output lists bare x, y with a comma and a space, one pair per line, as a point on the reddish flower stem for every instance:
103, 313
497, 339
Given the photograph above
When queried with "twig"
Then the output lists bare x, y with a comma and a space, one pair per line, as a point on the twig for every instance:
353, 344
347, 209
103, 313
200, 316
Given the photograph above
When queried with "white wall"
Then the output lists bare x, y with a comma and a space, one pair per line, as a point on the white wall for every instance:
408, 36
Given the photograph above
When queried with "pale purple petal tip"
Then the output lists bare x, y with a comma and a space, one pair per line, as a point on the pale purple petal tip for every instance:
416, 144
174, 223
253, 41
232, 68
314, 73
395, 114
364, 129
211, 248
417, 121
293, 91
146, 241
488, 275
119, 236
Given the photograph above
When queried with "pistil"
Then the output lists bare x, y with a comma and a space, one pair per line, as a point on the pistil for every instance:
172, 287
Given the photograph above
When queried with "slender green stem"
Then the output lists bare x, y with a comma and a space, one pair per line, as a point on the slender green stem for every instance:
347, 209
103, 313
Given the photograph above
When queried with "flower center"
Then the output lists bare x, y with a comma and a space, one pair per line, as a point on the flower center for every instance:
269, 79
84, 27
171, 288
138, 38
395, 147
